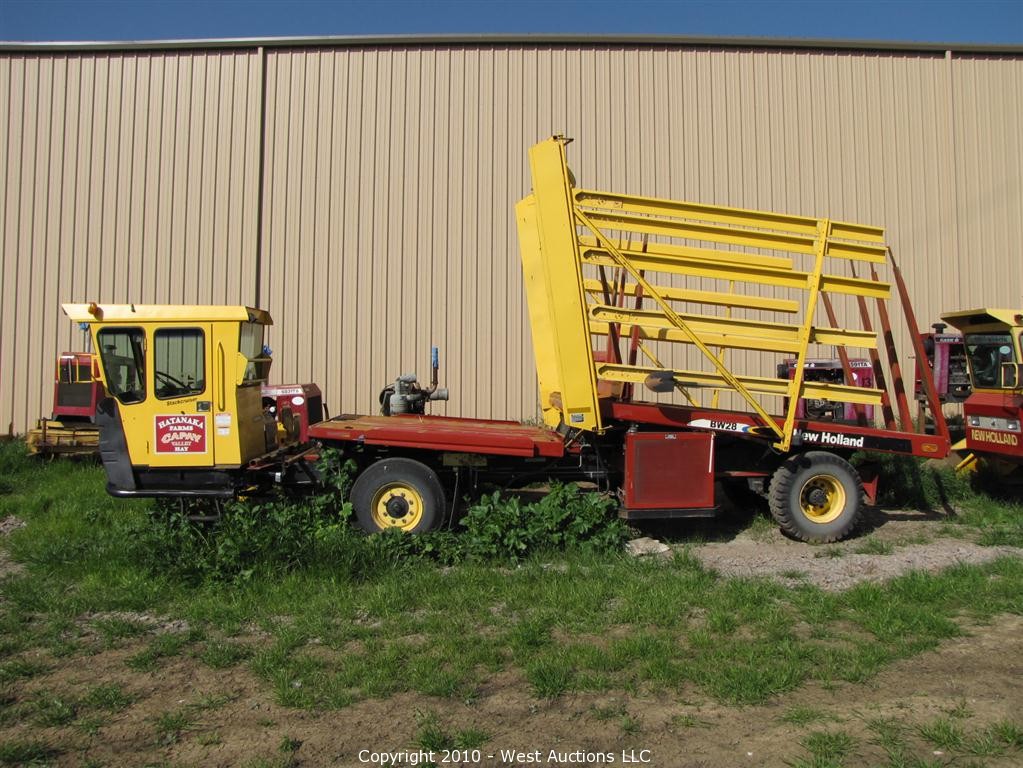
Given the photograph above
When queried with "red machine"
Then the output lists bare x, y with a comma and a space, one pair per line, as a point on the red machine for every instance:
829, 371
76, 391
993, 344
294, 407
946, 357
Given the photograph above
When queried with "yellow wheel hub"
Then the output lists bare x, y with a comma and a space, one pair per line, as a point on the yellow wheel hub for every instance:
822, 498
397, 505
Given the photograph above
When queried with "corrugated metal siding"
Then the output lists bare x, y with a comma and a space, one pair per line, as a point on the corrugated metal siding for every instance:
125, 178
390, 174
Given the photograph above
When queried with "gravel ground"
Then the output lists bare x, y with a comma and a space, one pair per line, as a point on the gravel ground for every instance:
835, 568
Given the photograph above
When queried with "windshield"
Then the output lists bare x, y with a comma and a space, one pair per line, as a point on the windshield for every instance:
123, 352
987, 352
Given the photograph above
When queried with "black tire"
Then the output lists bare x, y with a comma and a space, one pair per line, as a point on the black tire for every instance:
816, 497
398, 493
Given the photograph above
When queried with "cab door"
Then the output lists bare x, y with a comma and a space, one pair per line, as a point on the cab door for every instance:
124, 354
181, 406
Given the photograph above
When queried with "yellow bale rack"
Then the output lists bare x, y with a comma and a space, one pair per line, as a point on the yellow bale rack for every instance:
584, 252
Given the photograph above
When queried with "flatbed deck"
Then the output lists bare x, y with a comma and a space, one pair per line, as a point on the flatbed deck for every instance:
443, 433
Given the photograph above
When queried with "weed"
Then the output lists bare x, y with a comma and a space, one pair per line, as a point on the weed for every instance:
907, 482
209, 739
19, 668
548, 676
826, 748
90, 724
55, 711
504, 528
943, 733
961, 711
114, 629
873, 546
161, 647
109, 697
170, 725
219, 654
630, 725
430, 736
209, 701
983, 744
1008, 733
26, 752
609, 712
688, 721
471, 738
802, 715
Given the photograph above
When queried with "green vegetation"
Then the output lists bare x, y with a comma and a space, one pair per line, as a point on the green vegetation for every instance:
26, 752
828, 749
953, 740
963, 499
540, 591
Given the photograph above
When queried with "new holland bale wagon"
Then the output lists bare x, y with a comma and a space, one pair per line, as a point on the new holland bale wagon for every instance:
627, 295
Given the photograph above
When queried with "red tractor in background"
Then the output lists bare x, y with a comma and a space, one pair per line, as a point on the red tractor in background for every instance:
71, 430
949, 367
993, 412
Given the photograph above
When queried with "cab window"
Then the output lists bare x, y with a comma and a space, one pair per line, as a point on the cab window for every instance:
987, 352
123, 354
250, 344
179, 362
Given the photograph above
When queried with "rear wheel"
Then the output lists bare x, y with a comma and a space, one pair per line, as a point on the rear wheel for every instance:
398, 493
816, 497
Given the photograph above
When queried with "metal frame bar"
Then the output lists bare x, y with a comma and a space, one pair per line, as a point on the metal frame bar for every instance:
583, 233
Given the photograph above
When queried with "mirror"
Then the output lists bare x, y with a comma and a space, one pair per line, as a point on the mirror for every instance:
1012, 376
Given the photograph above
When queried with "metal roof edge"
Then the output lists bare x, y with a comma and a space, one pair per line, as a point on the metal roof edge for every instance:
512, 39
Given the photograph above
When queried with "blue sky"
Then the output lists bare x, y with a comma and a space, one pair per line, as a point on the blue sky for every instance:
976, 21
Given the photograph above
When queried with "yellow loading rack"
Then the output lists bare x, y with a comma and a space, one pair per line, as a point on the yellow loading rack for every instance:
585, 251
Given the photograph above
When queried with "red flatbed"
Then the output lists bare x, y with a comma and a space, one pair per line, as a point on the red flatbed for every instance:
443, 433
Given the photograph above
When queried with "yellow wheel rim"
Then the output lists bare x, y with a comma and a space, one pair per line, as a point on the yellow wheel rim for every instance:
822, 498
397, 505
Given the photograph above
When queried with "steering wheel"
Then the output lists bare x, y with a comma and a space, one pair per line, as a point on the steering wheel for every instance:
176, 383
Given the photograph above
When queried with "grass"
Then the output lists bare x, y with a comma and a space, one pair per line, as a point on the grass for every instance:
802, 715
161, 647
171, 724
26, 752
108, 697
828, 749
952, 740
872, 546
593, 623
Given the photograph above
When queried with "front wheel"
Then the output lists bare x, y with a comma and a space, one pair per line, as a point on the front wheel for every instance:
816, 497
398, 493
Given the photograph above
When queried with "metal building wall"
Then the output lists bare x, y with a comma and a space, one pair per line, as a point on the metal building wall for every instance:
391, 176
390, 173
124, 177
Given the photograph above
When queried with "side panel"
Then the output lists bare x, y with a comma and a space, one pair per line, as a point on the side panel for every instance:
669, 470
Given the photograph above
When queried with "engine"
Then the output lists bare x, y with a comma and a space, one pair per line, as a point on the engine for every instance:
406, 395
829, 371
